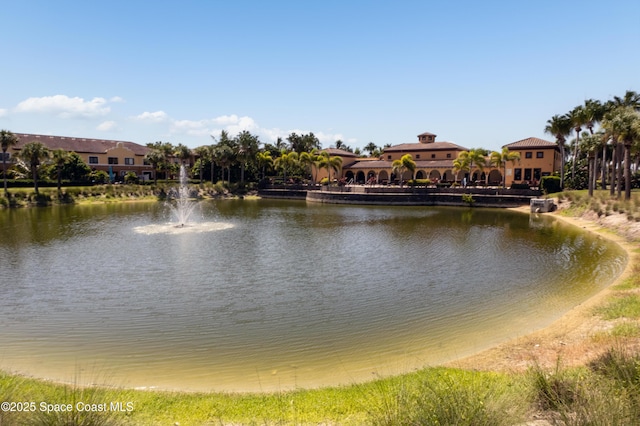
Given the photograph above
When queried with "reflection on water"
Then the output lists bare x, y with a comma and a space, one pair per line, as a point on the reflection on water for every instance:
282, 294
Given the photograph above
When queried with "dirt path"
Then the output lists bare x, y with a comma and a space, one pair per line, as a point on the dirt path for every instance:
580, 335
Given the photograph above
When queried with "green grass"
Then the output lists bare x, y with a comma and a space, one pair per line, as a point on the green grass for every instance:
606, 392
430, 396
626, 330
622, 306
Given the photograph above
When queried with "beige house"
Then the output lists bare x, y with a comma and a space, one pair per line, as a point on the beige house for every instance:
434, 161
538, 158
114, 157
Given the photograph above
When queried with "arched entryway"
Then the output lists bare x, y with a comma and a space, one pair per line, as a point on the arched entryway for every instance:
419, 174
435, 175
360, 177
383, 176
495, 177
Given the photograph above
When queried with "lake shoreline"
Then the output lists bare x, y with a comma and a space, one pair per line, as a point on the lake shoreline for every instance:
568, 338
580, 335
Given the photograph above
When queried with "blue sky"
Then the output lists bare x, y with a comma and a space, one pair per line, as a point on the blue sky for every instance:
479, 74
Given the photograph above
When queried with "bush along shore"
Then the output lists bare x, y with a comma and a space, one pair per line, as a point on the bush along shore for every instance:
516, 384
46, 196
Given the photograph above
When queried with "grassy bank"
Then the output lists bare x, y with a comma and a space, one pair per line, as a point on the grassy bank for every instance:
26, 197
605, 390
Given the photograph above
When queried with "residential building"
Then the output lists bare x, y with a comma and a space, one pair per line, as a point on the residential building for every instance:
538, 158
114, 157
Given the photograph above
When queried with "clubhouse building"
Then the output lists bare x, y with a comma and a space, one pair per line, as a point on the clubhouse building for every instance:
434, 161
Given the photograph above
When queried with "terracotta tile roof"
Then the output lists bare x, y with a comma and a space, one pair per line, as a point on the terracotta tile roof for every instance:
386, 164
434, 146
340, 152
376, 164
427, 134
531, 143
79, 145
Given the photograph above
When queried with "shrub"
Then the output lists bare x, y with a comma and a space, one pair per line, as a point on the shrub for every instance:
131, 178
550, 184
419, 182
520, 186
468, 198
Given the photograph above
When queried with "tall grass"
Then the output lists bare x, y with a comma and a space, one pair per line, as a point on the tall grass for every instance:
607, 392
448, 397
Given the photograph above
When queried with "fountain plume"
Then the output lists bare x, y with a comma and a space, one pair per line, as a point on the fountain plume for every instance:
182, 206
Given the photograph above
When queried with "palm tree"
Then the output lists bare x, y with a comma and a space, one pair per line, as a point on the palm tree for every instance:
307, 160
591, 143
156, 158
247, 147
371, 148
226, 158
286, 161
265, 161
461, 163
500, 159
477, 157
560, 127
33, 153
405, 163
594, 113
202, 152
329, 162
7, 140
213, 156
398, 168
578, 117
60, 157
182, 153
630, 99
167, 150
468, 159
623, 124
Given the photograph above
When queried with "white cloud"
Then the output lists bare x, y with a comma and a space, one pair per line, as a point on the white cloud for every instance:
3, 112
105, 126
115, 99
232, 124
154, 117
190, 127
64, 106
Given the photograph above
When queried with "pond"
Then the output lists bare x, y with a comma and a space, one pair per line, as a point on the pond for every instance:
263, 295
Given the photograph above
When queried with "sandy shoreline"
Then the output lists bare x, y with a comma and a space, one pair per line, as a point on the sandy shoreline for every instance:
573, 339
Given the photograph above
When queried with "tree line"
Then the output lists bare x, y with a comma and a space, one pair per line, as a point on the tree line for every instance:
605, 151
606, 145
241, 159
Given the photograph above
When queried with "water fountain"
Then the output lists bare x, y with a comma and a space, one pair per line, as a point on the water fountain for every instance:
182, 206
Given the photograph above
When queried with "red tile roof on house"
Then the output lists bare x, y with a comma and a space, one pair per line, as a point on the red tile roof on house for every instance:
530, 143
427, 134
372, 164
386, 164
340, 152
435, 146
79, 145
